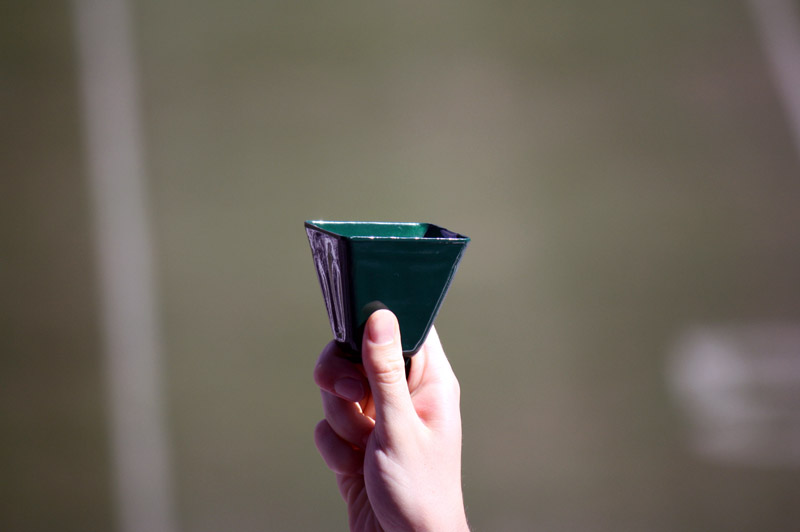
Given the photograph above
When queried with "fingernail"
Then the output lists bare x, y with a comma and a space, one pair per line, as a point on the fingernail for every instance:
350, 389
381, 328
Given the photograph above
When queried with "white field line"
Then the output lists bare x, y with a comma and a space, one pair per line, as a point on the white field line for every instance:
129, 312
778, 27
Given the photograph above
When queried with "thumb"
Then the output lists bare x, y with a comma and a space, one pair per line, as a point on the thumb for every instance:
382, 355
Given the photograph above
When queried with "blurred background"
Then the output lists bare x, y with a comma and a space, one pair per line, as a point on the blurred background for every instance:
625, 324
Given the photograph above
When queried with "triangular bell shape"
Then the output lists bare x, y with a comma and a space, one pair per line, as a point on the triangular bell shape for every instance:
364, 266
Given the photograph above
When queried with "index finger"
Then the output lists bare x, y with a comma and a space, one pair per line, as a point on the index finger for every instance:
333, 367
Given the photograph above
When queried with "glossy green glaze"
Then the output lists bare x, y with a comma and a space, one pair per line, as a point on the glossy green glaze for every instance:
364, 266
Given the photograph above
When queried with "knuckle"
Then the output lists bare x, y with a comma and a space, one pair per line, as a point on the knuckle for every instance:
455, 388
390, 372
319, 373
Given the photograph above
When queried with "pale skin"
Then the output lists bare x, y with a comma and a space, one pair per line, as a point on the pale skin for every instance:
394, 444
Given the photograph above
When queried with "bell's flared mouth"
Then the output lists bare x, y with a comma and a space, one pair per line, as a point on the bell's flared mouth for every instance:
385, 230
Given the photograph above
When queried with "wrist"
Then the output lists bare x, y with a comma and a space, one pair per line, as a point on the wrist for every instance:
454, 520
